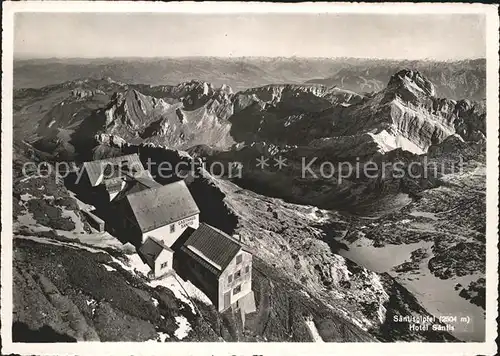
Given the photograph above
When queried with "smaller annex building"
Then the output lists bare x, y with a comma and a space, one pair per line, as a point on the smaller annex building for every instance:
157, 256
218, 264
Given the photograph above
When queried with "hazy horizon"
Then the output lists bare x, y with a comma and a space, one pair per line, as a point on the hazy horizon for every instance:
246, 57
89, 36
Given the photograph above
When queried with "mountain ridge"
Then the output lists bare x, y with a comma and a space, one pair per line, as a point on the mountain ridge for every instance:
247, 73
405, 114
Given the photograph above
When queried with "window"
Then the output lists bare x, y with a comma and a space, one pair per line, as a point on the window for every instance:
172, 228
237, 290
247, 269
108, 169
239, 258
164, 265
229, 278
237, 275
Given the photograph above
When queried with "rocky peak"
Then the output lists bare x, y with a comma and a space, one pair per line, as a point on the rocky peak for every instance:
116, 98
226, 89
410, 86
109, 140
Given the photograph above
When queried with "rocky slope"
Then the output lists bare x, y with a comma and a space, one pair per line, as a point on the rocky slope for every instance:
182, 116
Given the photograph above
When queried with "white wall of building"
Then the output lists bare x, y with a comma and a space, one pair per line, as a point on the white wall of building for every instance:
113, 194
163, 263
168, 234
244, 281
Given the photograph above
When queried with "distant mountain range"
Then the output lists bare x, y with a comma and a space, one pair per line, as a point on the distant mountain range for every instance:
455, 80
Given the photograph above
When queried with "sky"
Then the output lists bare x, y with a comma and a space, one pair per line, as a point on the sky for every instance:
96, 35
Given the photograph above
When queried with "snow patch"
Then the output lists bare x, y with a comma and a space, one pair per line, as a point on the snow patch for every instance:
424, 214
137, 264
93, 303
341, 270
305, 293
134, 265
26, 197
183, 329
171, 283
109, 268
389, 142
163, 336
194, 292
155, 302
314, 331
412, 84
381, 313
205, 88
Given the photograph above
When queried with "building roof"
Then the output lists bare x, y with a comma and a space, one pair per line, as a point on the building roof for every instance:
216, 248
151, 249
111, 168
160, 206
137, 184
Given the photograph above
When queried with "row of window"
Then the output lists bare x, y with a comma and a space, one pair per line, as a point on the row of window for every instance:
237, 274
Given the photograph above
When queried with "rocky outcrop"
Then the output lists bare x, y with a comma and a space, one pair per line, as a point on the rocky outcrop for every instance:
475, 292
407, 115
85, 93
132, 110
307, 97
110, 140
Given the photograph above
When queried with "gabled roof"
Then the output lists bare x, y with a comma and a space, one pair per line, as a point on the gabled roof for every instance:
96, 169
137, 184
160, 206
151, 249
213, 246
